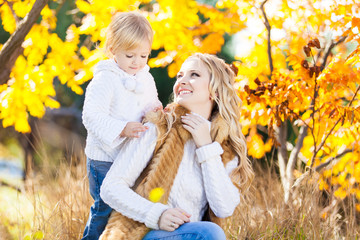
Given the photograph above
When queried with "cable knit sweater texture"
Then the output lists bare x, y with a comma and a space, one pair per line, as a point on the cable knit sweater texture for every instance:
113, 98
201, 179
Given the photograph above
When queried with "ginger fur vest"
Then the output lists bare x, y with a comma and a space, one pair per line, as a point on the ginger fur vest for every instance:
162, 169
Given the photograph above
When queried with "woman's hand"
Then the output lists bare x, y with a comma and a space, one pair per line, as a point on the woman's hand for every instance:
199, 129
173, 218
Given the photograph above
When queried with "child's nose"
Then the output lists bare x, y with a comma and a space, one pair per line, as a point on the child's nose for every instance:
137, 60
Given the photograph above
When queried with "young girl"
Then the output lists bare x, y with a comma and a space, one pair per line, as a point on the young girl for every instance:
195, 152
116, 99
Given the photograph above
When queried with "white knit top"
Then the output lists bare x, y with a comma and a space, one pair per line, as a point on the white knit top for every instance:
201, 179
113, 98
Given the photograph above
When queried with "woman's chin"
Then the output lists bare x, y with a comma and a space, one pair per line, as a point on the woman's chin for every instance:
182, 102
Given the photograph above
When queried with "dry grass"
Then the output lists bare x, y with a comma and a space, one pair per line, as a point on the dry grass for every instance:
56, 205
311, 214
60, 204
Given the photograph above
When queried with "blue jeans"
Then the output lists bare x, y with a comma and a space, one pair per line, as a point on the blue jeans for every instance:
99, 211
192, 230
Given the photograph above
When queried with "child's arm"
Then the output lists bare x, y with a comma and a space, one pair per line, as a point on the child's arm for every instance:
132, 129
154, 103
96, 111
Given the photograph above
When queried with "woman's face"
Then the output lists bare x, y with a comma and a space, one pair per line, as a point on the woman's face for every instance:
191, 89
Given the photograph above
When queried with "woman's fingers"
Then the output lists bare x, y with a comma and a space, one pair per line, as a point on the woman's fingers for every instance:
181, 214
192, 120
198, 127
173, 218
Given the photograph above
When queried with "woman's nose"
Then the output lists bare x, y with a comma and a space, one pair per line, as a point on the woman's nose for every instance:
183, 80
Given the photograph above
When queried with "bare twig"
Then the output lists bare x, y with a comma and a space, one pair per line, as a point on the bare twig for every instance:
320, 167
312, 107
298, 117
16, 39
332, 45
10, 4
3, 183
325, 164
328, 134
268, 28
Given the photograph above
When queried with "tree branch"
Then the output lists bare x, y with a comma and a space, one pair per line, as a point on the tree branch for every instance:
281, 135
65, 112
5, 184
337, 122
332, 45
10, 4
268, 28
325, 164
295, 152
320, 167
17, 38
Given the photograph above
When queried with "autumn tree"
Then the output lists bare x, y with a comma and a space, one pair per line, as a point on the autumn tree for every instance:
303, 87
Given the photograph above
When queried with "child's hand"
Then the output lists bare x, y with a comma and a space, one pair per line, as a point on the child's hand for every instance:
132, 129
158, 107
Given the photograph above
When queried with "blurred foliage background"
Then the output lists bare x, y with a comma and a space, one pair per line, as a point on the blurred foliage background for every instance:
298, 78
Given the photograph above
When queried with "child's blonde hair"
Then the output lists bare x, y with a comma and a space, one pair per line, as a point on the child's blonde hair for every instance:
126, 31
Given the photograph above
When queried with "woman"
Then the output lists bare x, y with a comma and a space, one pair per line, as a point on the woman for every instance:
195, 152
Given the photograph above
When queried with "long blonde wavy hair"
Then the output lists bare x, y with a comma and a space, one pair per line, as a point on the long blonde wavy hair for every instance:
227, 103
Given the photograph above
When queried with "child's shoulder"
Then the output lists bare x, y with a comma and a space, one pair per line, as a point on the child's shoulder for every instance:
106, 65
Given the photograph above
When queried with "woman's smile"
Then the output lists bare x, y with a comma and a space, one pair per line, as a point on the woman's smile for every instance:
182, 92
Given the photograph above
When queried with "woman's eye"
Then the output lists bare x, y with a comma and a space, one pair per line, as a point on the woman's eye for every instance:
178, 76
195, 75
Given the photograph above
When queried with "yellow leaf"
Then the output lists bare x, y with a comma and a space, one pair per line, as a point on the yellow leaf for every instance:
340, 193
7, 18
156, 194
22, 125
51, 103
78, 90
255, 146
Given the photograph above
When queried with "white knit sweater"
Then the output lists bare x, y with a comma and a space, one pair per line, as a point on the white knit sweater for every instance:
113, 98
201, 179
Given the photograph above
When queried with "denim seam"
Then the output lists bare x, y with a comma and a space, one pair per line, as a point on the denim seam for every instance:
179, 234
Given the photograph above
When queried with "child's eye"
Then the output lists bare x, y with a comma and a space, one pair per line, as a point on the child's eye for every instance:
144, 56
129, 56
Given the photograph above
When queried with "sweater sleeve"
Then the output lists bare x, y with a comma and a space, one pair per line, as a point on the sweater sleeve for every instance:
151, 94
116, 188
96, 111
222, 195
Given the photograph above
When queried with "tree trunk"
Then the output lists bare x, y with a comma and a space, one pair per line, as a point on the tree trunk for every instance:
27, 143
12, 48
281, 135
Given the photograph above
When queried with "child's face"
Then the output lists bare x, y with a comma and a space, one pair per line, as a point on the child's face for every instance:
133, 60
